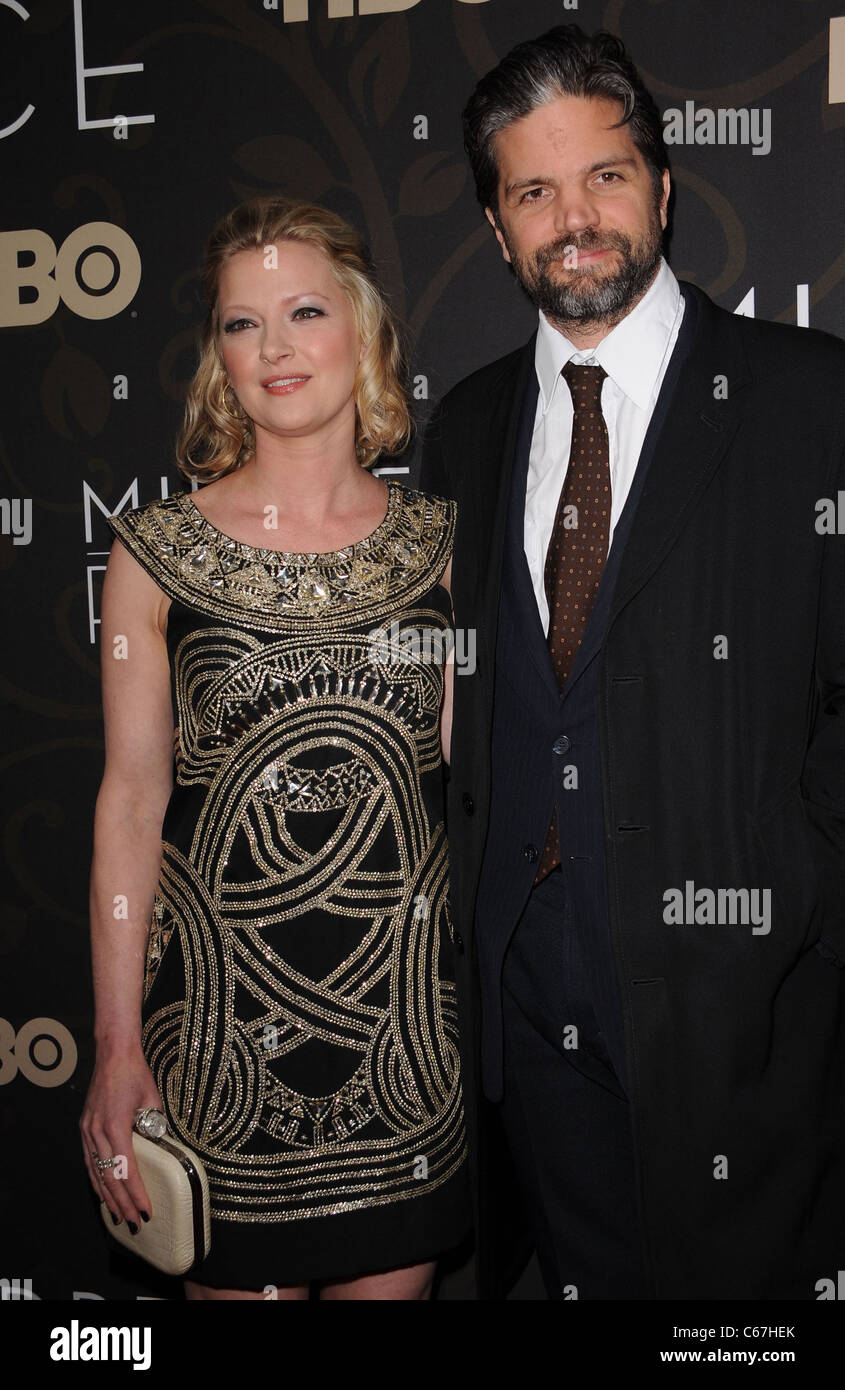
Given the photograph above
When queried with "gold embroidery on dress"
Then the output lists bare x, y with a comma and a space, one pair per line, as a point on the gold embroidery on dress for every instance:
197, 564
302, 748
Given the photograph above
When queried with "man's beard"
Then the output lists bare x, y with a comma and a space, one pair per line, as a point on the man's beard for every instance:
590, 296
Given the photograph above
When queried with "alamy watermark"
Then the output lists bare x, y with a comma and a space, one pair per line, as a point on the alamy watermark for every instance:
727, 125
396, 644
723, 907
16, 519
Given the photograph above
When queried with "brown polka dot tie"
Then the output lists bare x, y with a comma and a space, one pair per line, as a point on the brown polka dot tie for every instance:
578, 546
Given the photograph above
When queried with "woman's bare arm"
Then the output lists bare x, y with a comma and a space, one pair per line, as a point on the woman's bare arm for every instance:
132, 799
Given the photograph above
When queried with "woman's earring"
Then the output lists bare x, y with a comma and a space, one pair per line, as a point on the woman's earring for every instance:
234, 409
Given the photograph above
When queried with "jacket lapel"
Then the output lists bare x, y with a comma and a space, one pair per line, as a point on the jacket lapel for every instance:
686, 439
520, 590
489, 499
506, 414
692, 443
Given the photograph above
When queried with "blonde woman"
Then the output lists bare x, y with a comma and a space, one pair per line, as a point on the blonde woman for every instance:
283, 988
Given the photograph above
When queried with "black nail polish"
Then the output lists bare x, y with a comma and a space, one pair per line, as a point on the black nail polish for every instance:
145, 1216
115, 1219
133, 1228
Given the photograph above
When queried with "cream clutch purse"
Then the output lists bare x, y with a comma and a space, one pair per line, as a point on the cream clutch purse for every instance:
179, 1229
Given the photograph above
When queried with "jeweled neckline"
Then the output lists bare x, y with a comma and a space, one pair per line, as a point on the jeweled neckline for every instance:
394, 494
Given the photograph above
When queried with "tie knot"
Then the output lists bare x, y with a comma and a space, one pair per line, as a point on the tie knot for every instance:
585, 384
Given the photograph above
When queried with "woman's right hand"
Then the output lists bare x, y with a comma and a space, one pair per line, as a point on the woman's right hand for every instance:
121, 1084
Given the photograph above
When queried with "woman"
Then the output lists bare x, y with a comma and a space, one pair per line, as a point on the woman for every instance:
280, 981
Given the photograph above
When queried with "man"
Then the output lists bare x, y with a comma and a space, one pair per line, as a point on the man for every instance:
647, 793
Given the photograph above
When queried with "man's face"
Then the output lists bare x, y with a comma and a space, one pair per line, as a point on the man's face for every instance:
579, 218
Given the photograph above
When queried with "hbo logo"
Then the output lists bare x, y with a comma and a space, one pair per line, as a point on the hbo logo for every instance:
96, 272
43, 1051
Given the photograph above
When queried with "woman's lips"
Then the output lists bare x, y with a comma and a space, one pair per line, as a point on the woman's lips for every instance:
284, 385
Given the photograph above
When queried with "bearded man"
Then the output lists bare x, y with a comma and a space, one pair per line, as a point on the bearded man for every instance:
647, 791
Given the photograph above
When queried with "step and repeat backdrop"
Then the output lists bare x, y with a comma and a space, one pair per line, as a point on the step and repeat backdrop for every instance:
125, 132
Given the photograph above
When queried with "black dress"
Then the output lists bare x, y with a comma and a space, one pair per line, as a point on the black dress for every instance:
299, 1012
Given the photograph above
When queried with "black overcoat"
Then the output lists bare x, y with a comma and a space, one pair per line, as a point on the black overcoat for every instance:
722, 739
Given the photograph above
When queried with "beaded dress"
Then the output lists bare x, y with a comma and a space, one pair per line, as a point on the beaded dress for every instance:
299, 1012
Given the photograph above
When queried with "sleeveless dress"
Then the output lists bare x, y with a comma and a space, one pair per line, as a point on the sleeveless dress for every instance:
299, 1012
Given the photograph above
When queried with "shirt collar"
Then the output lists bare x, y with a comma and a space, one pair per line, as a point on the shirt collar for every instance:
633, 352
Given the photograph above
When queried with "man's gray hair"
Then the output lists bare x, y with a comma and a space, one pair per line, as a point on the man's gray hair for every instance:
562, 62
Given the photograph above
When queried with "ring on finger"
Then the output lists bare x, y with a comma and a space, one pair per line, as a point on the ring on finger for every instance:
151, 1122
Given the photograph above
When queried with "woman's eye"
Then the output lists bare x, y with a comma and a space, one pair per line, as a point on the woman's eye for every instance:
235, 325
307, 311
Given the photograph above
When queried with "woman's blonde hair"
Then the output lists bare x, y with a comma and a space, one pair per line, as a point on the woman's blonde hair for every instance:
217, 435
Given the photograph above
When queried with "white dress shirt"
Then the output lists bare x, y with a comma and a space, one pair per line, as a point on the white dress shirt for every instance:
635, 355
